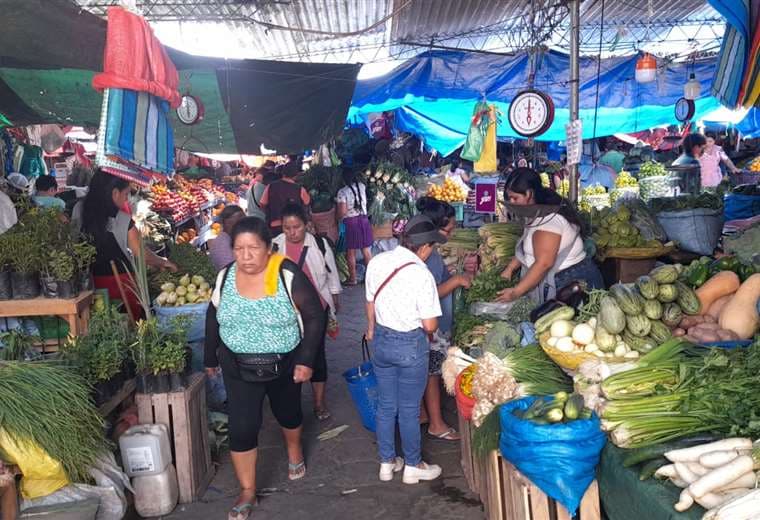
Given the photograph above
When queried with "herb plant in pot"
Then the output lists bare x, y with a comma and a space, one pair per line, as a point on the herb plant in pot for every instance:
25, 279
59, 278
84, 256
6, 292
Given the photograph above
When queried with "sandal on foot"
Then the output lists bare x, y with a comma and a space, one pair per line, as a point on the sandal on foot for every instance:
449, 435
296, 471
322, 414
241, 512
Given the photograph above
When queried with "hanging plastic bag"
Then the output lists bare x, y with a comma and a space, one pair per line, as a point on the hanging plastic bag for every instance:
473, 145
560, 459
487, 162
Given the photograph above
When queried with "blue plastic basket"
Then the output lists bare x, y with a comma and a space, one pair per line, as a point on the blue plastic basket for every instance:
196, 312
362, 385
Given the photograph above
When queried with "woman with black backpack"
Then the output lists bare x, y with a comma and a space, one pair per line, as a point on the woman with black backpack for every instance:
352, 209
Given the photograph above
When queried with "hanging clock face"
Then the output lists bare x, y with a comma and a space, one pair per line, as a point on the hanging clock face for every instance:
684, 109
531, 113
190, 110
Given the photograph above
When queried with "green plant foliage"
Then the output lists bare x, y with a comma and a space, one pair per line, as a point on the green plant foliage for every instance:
101, 353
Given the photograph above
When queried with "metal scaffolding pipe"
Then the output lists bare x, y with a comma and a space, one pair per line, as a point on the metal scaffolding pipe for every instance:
575, 36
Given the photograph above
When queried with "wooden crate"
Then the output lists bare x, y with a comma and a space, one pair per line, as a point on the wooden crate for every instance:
185, 414
625, 270
512, 496
473, 466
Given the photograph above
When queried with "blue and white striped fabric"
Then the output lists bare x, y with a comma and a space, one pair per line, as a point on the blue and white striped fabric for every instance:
732, 63
138, 130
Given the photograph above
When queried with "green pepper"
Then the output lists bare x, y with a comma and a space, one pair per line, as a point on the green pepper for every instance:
726, 263
745, 271
699, 275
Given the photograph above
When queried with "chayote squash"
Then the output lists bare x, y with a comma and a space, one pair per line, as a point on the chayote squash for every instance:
648, 287
653, 309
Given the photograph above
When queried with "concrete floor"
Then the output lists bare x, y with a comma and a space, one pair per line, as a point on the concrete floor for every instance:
341, 482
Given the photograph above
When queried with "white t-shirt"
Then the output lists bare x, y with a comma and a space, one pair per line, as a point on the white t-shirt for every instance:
410, 297
558, 225
349, 197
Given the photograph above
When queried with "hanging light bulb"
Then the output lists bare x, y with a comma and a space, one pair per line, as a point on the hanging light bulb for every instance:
693, 88
646, 69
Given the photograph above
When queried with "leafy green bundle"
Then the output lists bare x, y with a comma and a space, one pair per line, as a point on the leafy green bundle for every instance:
50, 405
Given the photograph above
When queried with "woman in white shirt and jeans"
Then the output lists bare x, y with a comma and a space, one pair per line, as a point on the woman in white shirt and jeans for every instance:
352, 209
550, 253
402, 310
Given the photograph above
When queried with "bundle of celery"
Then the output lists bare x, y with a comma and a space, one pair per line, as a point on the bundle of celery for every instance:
498, 241
682, 390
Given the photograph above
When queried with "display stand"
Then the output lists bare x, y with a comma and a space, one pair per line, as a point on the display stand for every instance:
508, 495
184, 413
76, 311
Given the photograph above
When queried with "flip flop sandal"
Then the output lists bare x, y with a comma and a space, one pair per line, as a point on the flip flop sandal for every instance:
296, 471
241, 512
322, 414
449, 435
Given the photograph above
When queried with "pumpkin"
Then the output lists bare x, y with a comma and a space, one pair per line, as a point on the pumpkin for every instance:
740, 313
721, 284
717, 306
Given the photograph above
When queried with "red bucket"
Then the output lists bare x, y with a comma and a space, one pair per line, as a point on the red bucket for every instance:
464, 404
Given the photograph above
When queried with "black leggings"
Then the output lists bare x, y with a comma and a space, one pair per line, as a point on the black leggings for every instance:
245, 404
320, 363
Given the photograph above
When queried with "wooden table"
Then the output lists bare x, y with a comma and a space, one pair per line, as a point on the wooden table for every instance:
76, 311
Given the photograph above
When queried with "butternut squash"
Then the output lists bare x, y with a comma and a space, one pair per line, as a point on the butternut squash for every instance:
717, 306
740, 314
721, 284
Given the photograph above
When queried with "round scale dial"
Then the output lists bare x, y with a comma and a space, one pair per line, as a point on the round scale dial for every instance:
531, 113
684, 109
190, 110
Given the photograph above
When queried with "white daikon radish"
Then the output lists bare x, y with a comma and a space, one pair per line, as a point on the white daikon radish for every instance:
677, 482
684, 473
696, 468
692, 454
721, 476
742, 507
667, 471
685, 501
746, 481
716, 459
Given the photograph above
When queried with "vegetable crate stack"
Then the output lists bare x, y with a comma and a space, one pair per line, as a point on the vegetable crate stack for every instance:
184, 413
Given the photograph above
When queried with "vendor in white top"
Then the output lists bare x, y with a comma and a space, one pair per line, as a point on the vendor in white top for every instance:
550, 255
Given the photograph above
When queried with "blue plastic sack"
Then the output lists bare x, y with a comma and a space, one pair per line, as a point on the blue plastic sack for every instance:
196, 313
737, 206
362, 385
560, 459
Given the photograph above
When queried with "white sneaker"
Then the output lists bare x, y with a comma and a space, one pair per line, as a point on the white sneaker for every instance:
387, 469
413, 474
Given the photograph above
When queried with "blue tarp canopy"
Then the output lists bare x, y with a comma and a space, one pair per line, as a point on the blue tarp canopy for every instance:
434, 93
750, 125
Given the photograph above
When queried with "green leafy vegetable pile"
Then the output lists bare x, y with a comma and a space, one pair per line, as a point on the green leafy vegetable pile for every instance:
50, 405
703, 200
486, 286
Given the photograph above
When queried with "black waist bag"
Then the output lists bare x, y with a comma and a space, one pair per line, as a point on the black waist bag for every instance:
260, 368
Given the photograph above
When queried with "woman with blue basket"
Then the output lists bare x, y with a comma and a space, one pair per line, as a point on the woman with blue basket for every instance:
402, 311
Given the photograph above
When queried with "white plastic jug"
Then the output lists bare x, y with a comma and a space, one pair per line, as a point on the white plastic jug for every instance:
156, 495
145, 450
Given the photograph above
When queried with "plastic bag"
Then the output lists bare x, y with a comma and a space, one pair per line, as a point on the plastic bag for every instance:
42, 475
109, 491
559, 458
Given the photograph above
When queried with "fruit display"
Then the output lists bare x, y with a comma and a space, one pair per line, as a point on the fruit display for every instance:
754, 165
652, 169
626, 187
654, 181
613, 229
169, 202
449, 192
186, 235
626, 180
188, 290
181, 198
594, 196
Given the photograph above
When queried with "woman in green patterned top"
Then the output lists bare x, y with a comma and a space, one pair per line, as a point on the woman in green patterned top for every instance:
263, 306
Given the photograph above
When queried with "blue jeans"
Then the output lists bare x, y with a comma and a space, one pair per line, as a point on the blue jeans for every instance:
400, 360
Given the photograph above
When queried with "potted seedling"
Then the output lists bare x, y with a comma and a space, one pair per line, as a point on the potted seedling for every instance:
6, 293
84, 256
141, 352
58, 280
17, 345
25, 279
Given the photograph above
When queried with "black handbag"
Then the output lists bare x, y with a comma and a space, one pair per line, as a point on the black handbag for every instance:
260, 368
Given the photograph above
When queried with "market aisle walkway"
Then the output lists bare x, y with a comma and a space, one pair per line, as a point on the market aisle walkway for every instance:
342, 472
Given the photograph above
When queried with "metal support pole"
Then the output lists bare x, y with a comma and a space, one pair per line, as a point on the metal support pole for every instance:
575, 36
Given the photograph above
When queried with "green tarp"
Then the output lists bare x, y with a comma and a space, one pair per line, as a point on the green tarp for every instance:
625, 497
